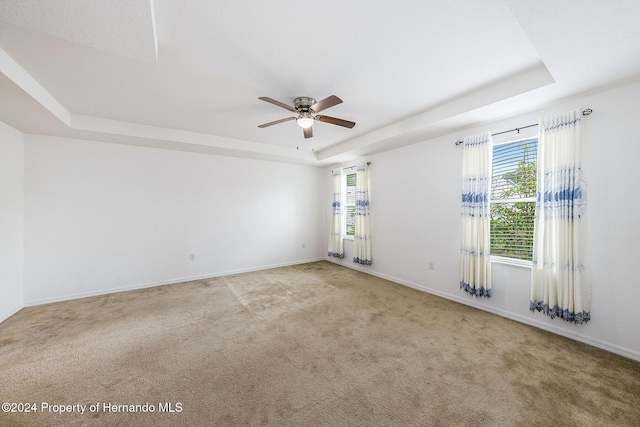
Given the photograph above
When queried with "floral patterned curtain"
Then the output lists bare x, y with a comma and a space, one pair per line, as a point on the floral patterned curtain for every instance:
336, 247
362, 235
475, 265
560, 280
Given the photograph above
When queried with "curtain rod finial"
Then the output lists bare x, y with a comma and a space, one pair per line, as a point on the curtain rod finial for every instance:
587, 112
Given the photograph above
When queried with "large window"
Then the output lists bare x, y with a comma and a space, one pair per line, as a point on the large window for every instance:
513, 198
350, 204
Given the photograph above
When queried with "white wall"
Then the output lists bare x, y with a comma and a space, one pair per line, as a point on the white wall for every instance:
415, 218
105, 217
11, 220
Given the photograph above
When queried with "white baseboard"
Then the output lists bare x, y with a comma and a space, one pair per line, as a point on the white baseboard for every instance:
613, 348
160, 283
5, 316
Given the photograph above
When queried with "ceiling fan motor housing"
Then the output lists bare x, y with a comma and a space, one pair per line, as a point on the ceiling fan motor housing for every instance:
303, 103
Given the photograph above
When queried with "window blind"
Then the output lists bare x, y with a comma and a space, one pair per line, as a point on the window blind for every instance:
350, 205
513, 192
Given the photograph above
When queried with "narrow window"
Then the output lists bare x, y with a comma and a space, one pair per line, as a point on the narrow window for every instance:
513, 198
350, 204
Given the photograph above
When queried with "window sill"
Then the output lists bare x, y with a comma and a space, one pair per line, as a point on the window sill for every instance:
511, 261
347, 237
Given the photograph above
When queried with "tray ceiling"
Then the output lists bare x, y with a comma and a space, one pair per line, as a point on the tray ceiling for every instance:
187, 75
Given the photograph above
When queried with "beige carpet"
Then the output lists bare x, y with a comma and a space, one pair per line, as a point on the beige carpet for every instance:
309, 345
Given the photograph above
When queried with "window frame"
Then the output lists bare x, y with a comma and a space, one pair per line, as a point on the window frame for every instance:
524, 136
345, 179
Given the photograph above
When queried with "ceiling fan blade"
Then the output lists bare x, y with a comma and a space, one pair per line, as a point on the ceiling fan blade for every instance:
308, 132
278, 103
334, 121
326, 103
276, 122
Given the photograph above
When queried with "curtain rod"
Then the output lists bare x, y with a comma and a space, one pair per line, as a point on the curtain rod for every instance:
351, 167
584, 113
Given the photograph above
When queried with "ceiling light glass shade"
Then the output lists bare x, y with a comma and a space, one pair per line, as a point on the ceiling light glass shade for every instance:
305, 122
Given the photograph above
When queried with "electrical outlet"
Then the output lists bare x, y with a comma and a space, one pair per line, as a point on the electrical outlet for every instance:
432, 265
192, 257
303, 246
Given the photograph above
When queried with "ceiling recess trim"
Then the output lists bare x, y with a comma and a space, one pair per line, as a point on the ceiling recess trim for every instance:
20, 77
534, 78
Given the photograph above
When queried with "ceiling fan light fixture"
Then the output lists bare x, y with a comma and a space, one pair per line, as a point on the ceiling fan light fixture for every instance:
305, 121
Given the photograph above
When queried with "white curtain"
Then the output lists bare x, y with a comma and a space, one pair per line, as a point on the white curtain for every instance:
336, 247
560, 281
475, 265
362, 235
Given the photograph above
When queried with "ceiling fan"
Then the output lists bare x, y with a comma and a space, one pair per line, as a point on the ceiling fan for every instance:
307, 109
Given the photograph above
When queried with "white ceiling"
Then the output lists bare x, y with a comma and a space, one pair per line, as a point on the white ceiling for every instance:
187, 75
